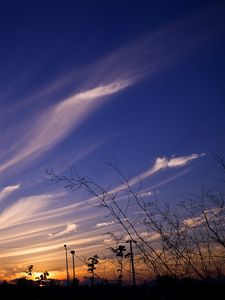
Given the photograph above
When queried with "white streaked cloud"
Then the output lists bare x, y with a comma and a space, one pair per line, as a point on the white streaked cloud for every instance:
169, 179
150, 236
59, 120
35, 227
6, 191
24, 209
71, 227
162, 163
146, 194
33, 231
32, 213
181, 161
194, 221
212, 215
104, 224
81, 242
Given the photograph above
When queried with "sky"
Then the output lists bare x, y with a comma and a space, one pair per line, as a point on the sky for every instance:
81, 82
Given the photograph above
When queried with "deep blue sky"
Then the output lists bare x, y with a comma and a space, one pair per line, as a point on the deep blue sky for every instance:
141, 82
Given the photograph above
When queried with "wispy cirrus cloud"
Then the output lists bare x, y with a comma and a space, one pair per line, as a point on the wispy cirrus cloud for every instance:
167, 180
71, 227
6, 191
59, 120
104, 224
122, 68
82, 241
24, 209
210, 217
33, 208
162, 163
31, 229
150, 236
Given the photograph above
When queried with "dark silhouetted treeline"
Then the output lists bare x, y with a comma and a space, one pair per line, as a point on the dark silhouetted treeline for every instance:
164, 288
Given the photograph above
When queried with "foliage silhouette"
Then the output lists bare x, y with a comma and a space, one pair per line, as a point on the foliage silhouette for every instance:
93, 261
119, 252
29, 270
42, 279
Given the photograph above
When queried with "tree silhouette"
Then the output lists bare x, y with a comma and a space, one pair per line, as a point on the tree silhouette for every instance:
42, 279
91, 266
119, 252
29, 270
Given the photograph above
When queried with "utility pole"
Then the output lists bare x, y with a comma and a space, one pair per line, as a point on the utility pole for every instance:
67, 269
73, 253
132, 260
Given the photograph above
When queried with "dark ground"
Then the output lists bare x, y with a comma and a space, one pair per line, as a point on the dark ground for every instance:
164, 290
